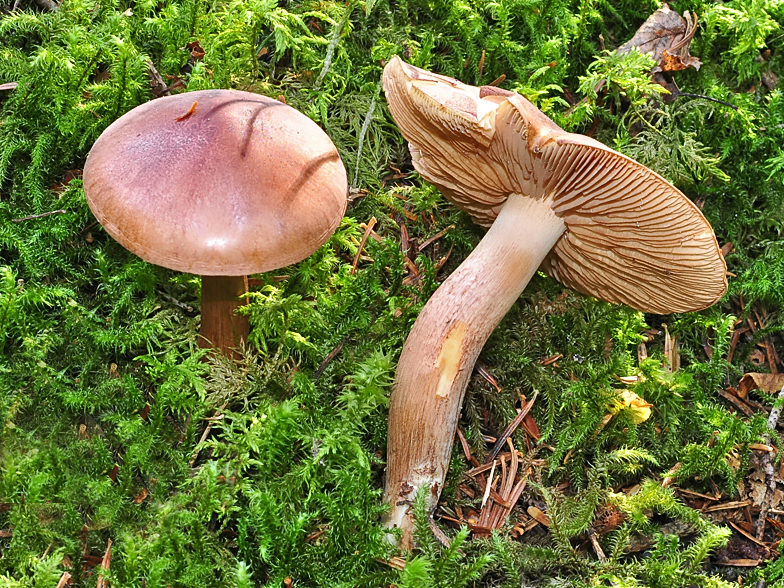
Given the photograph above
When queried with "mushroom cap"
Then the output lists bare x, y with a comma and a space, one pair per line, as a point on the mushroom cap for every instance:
216, 182
631, 237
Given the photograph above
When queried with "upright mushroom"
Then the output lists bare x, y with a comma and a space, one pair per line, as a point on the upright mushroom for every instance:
218, 183
592, 218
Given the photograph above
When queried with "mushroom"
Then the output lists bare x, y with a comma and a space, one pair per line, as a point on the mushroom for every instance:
219, 183
594, 219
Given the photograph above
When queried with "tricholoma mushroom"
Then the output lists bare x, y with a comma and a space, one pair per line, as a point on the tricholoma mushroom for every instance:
219, 183
588, 216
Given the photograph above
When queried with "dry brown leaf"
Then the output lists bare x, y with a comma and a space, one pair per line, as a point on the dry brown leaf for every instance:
770, 383
667, 36
539, 516
758, 487
671, 355
105, 563
141, 496
196, 51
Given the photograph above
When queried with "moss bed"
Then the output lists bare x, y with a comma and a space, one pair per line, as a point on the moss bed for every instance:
116, 429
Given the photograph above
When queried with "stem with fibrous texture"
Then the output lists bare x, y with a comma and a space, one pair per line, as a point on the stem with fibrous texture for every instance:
440, 352
221, 327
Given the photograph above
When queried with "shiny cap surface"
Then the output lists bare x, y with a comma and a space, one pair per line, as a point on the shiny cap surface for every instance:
216, 182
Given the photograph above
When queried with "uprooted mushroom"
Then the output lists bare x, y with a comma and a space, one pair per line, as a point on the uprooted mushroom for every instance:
588, 216
218, 183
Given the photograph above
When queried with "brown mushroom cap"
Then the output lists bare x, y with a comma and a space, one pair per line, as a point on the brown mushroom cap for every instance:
236, 185
631, 236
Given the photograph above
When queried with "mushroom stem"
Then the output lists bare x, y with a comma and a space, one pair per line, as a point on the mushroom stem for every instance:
221, 327
439, 354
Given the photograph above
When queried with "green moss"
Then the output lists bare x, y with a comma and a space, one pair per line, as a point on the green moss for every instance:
105, 395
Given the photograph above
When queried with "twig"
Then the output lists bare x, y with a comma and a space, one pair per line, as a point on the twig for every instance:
363, 132
435, 237
175, 302
728, 506
466, 450
767, 465
596, 546
489, 486
481, 369
438, 533
35, 216
690, 95
511, 428
696, 494
332, 355
498, 80
739, 404
157, 85
206, 432
368, 230
747, 535
333, 44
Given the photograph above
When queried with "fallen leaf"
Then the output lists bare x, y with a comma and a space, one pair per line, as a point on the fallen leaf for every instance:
639, 410
196, 51
758, 487
770, 383
667, 36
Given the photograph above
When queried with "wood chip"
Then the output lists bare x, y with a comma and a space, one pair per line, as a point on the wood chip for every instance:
395, 562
